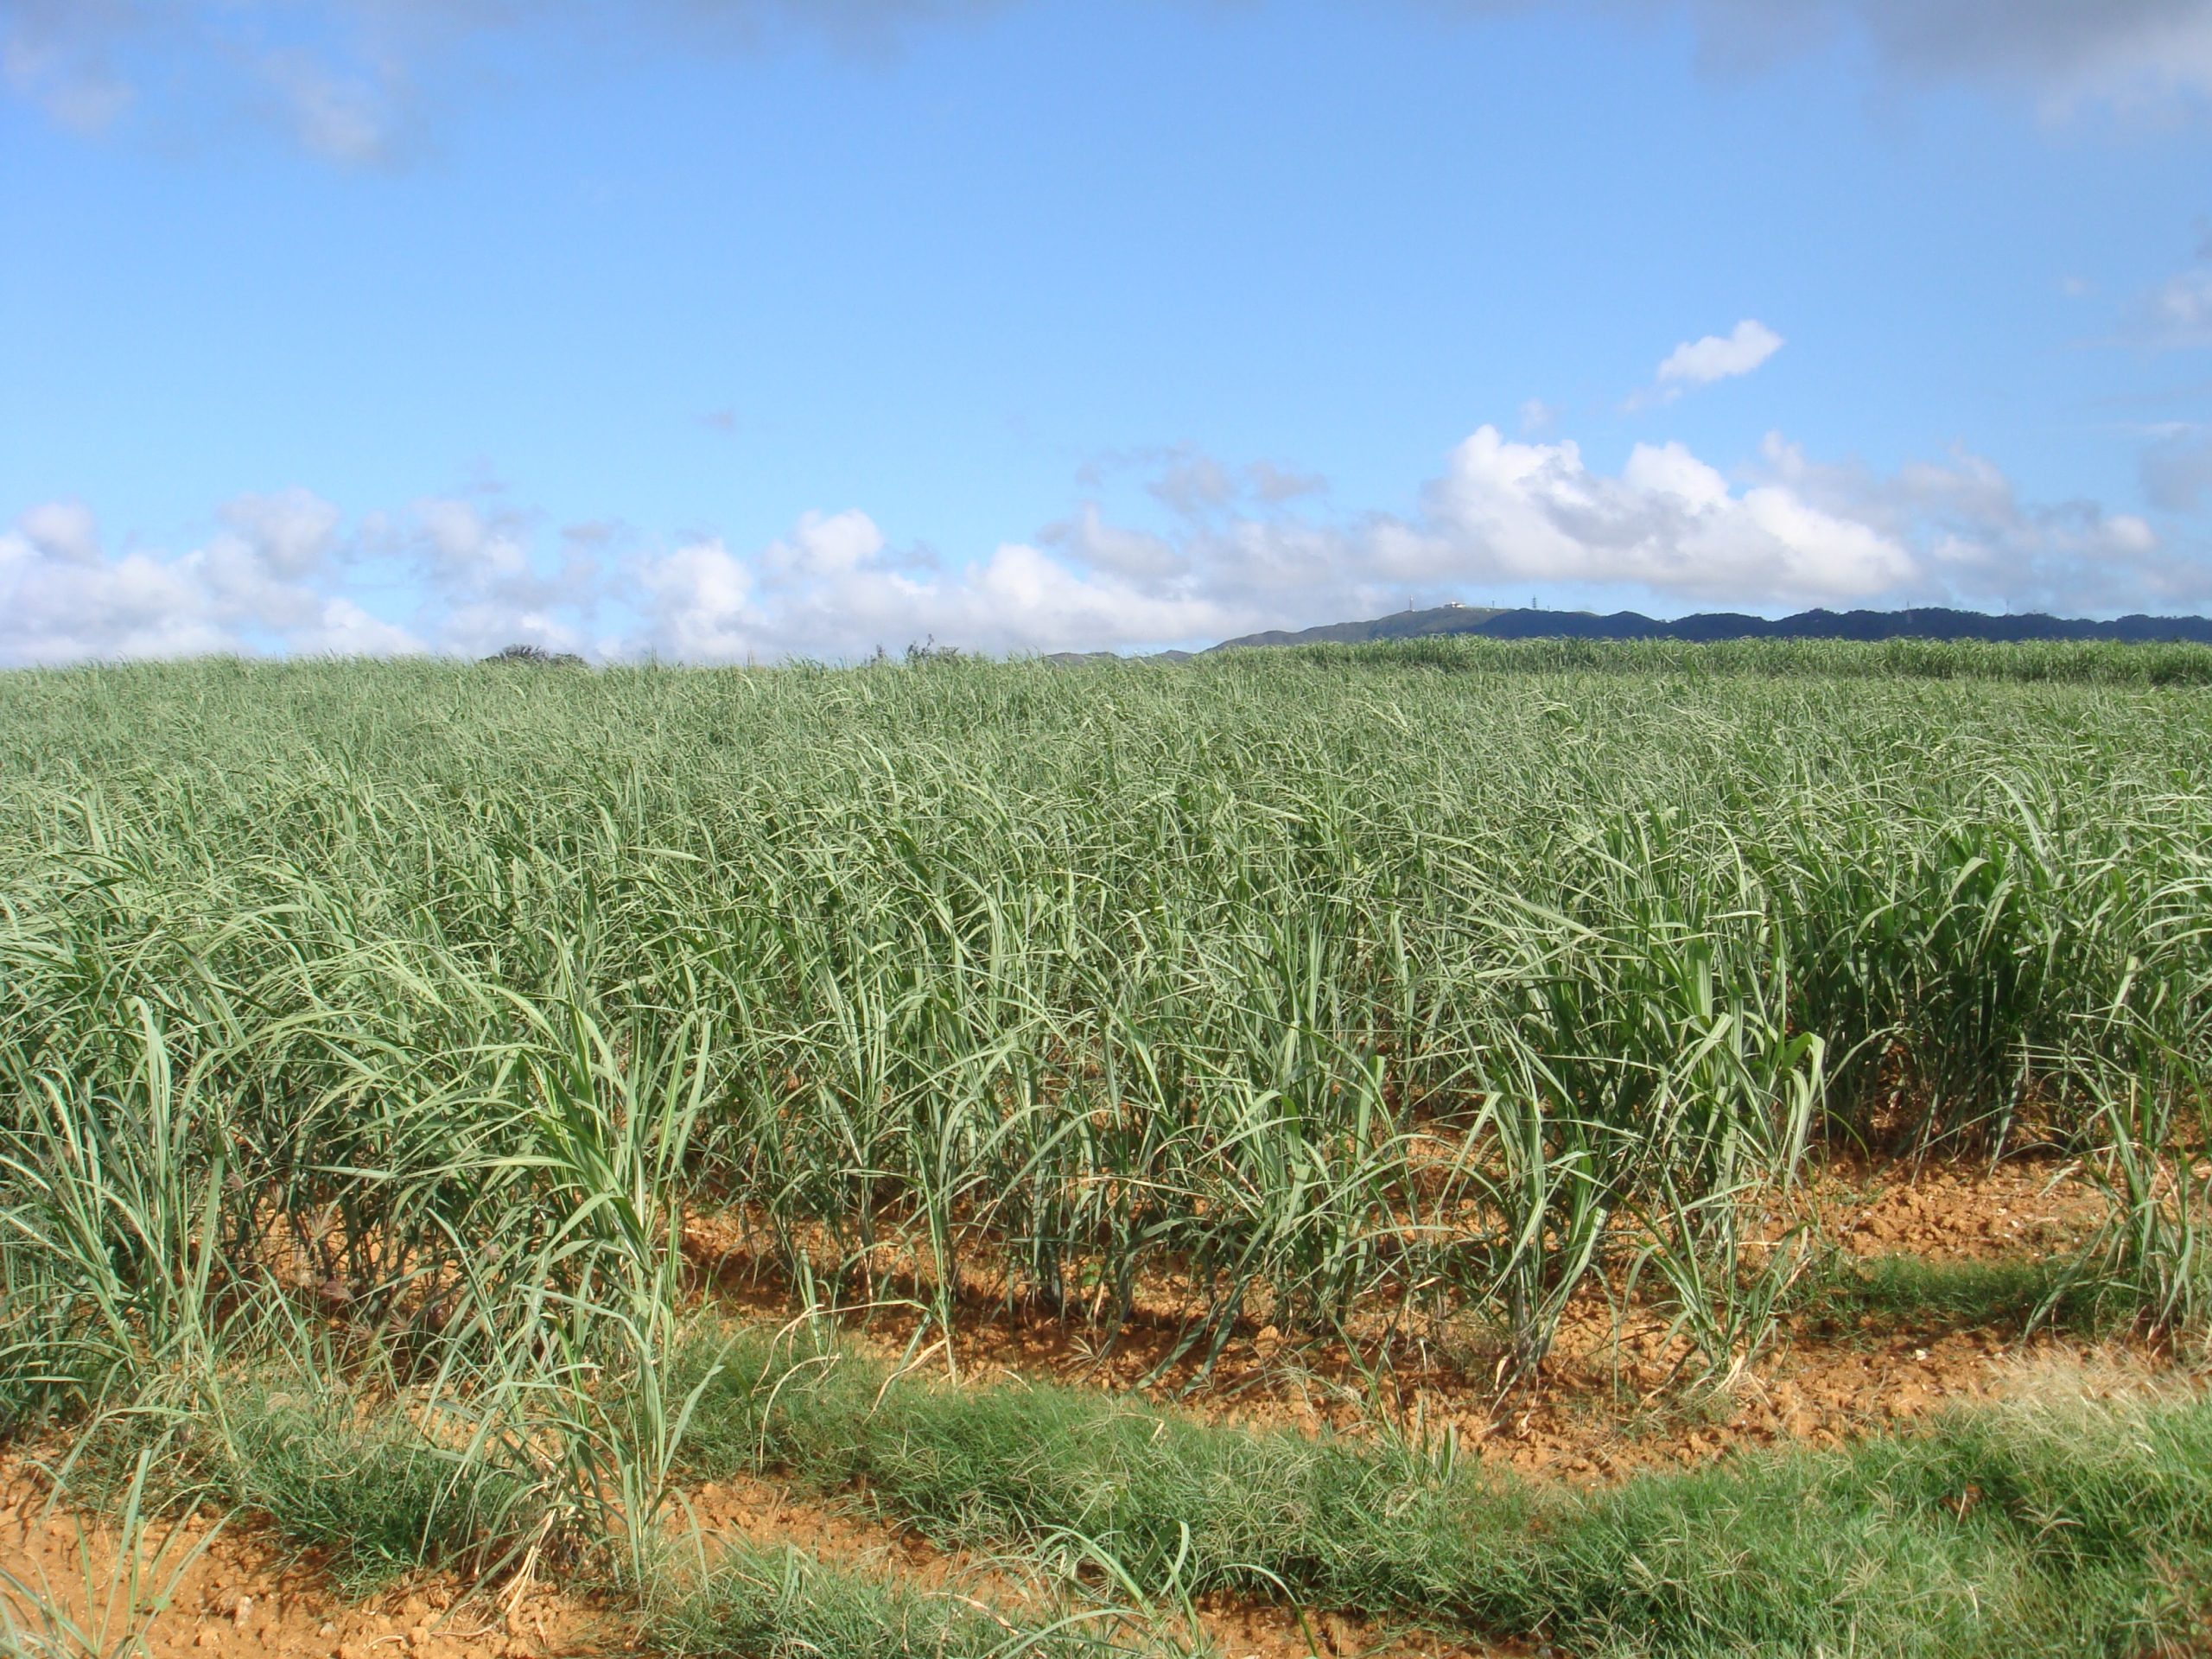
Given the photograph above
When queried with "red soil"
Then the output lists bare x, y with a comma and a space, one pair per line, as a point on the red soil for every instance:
1602, 1406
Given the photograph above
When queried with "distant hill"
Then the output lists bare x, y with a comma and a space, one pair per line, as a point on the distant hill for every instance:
1077, 658
1401, 624
1935, 623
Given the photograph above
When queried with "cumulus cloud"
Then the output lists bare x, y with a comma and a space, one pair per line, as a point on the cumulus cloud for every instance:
1668, 522
353, 118
64, 532
62, 599
293, 532
1093, 543
1667, 526
833, 588
701, 609
342, 628
2177, 313
2177, 469
1720, 357
56, 55
267, 580
1980, 542
484, 586
1667, 530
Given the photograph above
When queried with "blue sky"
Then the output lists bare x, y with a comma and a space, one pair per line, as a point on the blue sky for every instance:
731, 329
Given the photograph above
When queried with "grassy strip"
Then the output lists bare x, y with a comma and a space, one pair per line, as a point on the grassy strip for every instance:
2078, 661
368, 1490
1912, 1295
376, 1496
1057, 1469
782, 1604
2004, 1532
374, 1491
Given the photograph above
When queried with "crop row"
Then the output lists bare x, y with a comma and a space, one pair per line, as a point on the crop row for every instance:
1324, 982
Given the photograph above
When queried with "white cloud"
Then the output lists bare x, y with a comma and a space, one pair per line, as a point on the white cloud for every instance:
1981, 543
833, 588
341, 628
1669, 522
2177, 313
701, 611
1668, 531
64, 530
54, 54
1093, 543
254, 584
1022, 599
61, 600
1720, 357
485, 587
351, 118
293, 531
282, 573
463, 550
2177, 469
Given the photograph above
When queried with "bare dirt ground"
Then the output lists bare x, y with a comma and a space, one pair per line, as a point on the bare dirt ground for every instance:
2025, 1207
1604, 1406
242, 1595
1601, 1410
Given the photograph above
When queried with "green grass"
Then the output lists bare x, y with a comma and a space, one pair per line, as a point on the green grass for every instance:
374, 1488
1076, 974
2041, 1528
2053, 1526
1912, 1295
374, 1495
2070, 1531
2097, 664
784, 1605
383, 1022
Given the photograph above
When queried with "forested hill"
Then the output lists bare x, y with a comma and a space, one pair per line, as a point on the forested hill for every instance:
1933, 623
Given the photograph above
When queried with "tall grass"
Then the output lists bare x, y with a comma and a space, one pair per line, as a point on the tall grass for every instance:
429, 995
369, 1032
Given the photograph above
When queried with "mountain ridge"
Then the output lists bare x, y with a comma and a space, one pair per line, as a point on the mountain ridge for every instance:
1926, 622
